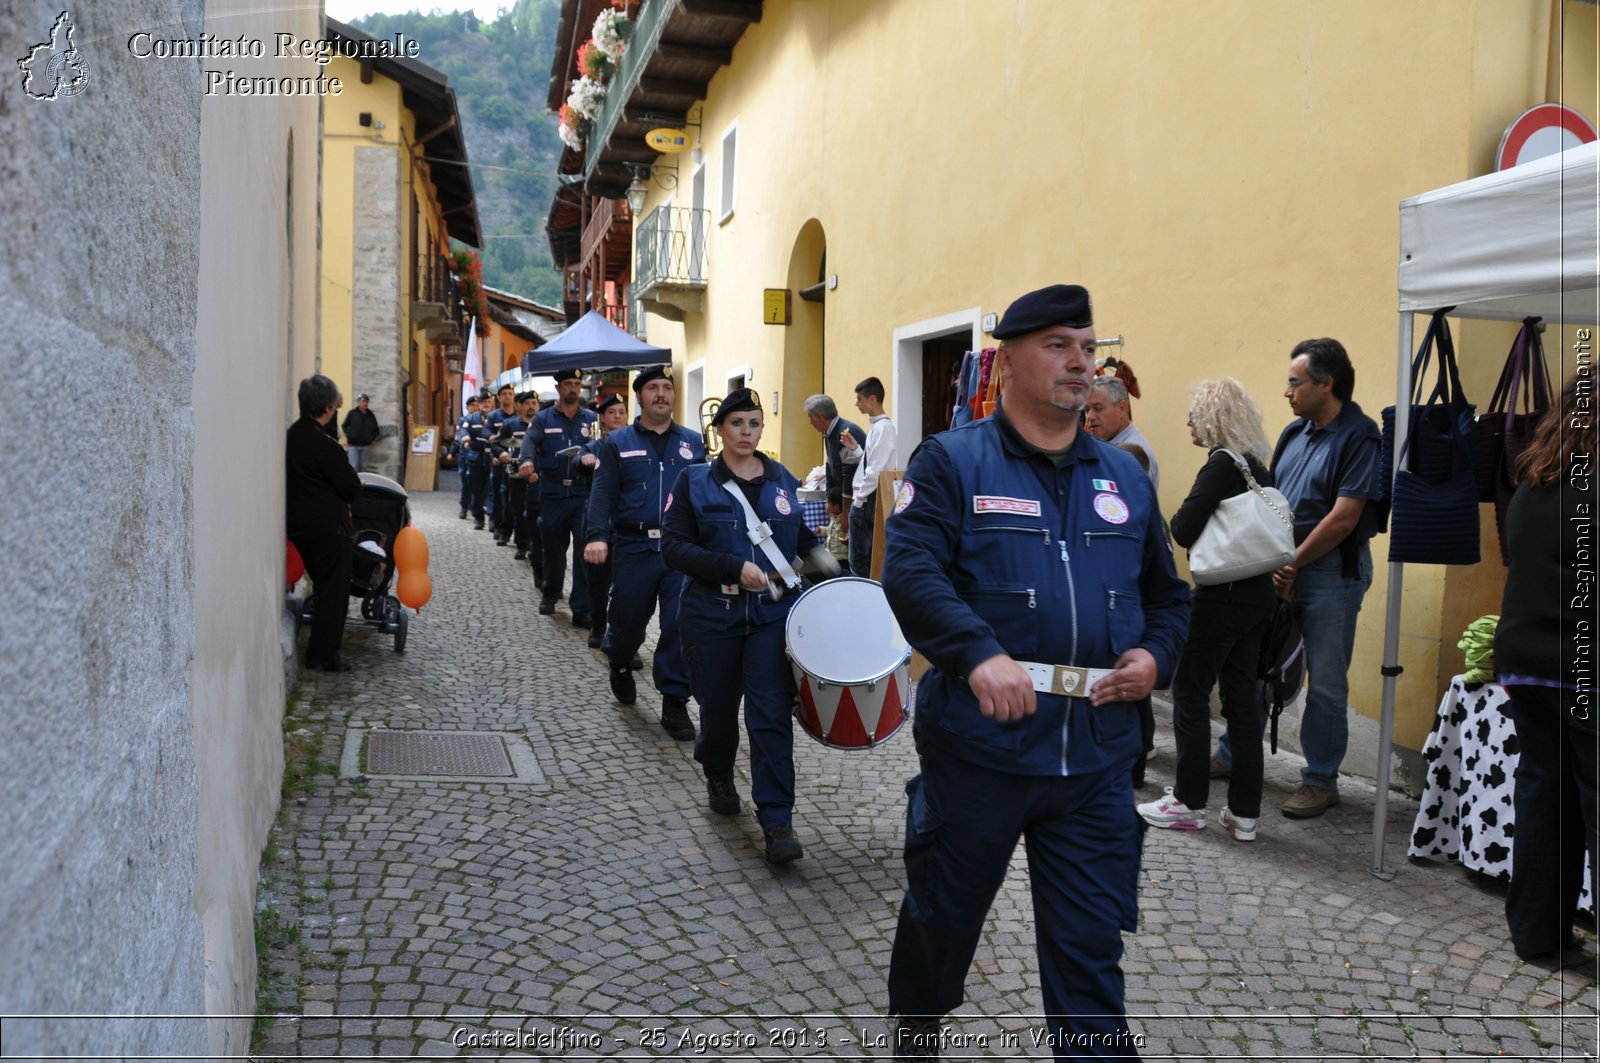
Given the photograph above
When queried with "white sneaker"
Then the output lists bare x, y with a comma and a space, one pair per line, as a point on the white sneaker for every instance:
1242, 829
1169, 812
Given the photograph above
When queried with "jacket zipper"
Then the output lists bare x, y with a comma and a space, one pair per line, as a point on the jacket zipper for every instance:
1072, 607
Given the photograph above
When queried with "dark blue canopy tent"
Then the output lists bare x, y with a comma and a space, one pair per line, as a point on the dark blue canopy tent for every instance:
593, 343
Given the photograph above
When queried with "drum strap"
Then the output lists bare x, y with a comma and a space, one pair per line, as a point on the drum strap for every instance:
1062, 678
761, 535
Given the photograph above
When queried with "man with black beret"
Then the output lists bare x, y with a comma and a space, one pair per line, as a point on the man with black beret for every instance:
1028, 562
637, 466
551, 446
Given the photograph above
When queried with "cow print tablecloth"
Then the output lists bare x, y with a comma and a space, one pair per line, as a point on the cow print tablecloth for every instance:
1471, 755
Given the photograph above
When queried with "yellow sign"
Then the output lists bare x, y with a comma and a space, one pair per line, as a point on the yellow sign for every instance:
667, 141
775, 306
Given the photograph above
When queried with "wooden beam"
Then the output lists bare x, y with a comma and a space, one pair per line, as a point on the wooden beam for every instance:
695, 53
691, 90
736, 10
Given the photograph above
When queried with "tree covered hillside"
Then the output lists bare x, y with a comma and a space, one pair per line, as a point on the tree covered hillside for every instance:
500, 71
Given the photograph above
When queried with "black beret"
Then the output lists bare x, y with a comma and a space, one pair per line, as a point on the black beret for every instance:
737, 401
608, 402
524, 396
567, 374
655, 372
1059, 304
485, 394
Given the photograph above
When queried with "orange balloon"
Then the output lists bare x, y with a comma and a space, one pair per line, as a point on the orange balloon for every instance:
413, 588
410, 549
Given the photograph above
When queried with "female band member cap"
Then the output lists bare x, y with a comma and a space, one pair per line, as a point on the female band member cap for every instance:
738, 400
608, 402
655, 372
1059, 304
567, 374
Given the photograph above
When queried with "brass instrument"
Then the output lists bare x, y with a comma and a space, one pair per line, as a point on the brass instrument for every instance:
708, 410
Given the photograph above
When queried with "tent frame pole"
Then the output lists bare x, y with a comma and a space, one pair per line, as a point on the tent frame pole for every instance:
1391, 623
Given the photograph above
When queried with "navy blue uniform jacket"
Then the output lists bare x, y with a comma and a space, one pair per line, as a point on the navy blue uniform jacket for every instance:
705, 536
994, 549
630, 484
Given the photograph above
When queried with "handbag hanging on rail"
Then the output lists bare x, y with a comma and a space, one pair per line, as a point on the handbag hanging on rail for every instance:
1503, 431
1247, 535
1442, 428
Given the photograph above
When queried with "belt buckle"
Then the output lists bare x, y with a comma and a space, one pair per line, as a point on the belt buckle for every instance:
652, 533
566, 483
1073, 682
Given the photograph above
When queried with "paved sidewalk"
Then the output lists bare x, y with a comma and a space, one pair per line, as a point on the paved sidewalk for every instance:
600, 911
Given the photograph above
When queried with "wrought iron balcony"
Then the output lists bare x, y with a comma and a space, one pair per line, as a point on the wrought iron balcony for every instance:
669, 261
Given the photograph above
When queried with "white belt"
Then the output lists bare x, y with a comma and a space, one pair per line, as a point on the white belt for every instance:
1063, 678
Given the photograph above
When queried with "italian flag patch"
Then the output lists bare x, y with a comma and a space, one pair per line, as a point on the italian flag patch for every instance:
1106, 485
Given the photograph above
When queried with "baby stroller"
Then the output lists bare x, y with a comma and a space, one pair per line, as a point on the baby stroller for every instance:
378, 515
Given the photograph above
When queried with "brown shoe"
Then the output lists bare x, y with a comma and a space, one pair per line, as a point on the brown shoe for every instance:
1219, 770
1309, 801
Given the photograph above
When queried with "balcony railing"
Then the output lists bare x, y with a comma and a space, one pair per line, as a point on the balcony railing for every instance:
642, 40
670, 249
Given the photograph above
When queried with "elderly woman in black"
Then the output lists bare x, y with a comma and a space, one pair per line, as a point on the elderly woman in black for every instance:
732, 612
319, 485
1225, 628
1547, 616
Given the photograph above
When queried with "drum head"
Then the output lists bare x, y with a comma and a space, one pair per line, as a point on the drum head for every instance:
842, 631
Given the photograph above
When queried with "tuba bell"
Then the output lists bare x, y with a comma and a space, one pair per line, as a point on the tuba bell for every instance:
708, 410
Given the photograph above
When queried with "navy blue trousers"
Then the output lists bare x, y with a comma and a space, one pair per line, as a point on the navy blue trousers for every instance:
641, 584
724, 668
562, 524
477, 487
1082, 837
462, 470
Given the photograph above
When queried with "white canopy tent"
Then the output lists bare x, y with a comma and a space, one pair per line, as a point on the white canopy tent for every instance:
1509, 245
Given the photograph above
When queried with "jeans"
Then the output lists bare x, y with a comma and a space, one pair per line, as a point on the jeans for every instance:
861, 527
1330, 604
358, 458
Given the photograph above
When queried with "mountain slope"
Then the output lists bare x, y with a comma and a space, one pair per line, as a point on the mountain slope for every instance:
500, 72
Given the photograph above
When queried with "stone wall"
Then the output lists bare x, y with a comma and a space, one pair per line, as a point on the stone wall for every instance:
98, 281
379, 340
154, 320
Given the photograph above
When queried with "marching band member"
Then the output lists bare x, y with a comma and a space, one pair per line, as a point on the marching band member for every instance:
731, 528
613, 414
563, 494
637, 466
1027, 561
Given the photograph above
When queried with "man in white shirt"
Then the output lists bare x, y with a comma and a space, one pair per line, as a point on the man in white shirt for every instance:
1109, 416
875, 456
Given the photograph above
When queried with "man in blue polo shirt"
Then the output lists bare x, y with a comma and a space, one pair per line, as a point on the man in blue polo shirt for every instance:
1326, 465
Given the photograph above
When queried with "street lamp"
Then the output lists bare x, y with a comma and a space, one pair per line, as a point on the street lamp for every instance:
638, 189
636, 193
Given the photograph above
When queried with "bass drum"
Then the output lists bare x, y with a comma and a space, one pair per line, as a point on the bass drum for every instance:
851, 664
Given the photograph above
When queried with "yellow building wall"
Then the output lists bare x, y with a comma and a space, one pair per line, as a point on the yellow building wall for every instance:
1225, 178
343, 132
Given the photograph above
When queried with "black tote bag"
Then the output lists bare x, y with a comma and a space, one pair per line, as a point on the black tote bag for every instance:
1503, 430
1442, 438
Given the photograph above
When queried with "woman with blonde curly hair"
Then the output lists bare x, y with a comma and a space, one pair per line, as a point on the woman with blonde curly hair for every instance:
1226, 627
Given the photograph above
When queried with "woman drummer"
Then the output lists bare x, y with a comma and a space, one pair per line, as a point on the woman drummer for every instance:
732, 612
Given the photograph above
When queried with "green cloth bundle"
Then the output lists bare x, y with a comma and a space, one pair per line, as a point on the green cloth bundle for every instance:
1477, 644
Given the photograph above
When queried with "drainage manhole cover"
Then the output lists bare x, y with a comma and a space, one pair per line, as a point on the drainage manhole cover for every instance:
437, 753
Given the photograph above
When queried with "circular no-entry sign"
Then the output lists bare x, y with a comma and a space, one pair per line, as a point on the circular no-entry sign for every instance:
1543, 130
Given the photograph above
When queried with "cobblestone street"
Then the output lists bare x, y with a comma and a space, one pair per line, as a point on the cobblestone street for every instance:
593, 907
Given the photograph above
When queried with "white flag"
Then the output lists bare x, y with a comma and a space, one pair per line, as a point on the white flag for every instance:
472, 374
